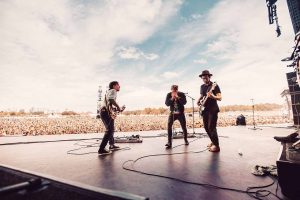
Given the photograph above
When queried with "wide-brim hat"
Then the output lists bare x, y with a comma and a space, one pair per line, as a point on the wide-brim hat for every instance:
205, 72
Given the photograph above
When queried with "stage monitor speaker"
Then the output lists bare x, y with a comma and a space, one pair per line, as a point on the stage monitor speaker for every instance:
288, 175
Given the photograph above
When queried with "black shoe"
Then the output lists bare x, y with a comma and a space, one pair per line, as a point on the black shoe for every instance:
168, 146
103, 152
114, 147
288, 139
186, 142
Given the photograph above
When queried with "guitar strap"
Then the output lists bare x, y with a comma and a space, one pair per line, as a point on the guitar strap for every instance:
105, 99
107, 105
208, 88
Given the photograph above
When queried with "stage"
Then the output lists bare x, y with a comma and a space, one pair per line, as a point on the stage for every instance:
241, 149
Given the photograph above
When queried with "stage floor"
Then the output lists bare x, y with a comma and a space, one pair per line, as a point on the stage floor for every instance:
227, 168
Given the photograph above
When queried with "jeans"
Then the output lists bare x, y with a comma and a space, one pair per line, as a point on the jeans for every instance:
109, 124
210, 125
182, 120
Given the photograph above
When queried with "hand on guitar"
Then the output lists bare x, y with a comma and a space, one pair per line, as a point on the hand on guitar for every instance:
211, 95
200, 101
122, 108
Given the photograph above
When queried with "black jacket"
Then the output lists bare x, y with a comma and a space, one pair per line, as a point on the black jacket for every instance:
181, 101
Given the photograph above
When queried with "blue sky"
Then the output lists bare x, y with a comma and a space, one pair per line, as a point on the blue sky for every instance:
55, 54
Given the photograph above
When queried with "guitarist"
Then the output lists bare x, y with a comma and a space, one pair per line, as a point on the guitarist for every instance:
107, 119
176, 100
211, 109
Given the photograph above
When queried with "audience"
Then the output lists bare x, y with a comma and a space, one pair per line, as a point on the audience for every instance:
87, 124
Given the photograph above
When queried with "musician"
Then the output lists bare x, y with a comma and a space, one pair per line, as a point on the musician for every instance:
211, 109
108, 121
176, 100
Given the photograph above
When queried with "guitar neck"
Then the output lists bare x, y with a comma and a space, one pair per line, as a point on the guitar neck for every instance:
206, 97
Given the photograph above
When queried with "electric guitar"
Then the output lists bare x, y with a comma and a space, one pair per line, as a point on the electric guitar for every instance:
203, 101
113, 111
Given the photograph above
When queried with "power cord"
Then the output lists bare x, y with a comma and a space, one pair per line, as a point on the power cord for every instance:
89, 145
258, 194
86, 145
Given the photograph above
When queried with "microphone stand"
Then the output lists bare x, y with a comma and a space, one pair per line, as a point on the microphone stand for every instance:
254, 128
186, 94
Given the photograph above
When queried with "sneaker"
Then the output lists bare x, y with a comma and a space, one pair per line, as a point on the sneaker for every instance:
209, 145
186, 142
104, 152
214, 148
168, 146
114, 147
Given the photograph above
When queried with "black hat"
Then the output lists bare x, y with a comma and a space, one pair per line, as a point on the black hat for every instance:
205, 72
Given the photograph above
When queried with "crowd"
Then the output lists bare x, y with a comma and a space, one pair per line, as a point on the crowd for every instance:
88, 124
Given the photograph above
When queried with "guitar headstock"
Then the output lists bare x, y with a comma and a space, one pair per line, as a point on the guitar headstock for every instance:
123, 108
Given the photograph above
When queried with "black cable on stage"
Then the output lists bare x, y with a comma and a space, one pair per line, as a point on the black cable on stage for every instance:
68, 140
64, 140
71, 152
258, 194
47, 141
185, 144
89, 145
93, 144
96, 144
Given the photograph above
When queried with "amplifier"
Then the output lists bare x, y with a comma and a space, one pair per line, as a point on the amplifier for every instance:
288, 175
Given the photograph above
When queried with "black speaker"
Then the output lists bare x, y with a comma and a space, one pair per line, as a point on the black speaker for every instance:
288, 175
20, 185
295, 96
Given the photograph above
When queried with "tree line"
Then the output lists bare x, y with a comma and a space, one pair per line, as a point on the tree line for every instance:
155, 111
161, 111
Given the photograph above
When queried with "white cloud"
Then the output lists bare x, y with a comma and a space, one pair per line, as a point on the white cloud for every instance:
196, 16
170, 75
135, 54
54, 54
245, 48
223, 46
253, 68
200, 61
151, 56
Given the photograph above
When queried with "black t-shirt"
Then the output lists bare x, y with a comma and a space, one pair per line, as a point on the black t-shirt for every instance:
210, 105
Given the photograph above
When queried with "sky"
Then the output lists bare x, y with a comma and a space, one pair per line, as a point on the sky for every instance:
55, 54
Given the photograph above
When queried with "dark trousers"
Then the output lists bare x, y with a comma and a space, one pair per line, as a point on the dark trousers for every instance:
182, 120
109, 124
210, 125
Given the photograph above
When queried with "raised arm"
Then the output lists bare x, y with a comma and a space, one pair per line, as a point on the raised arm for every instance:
182, 99
169, 100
